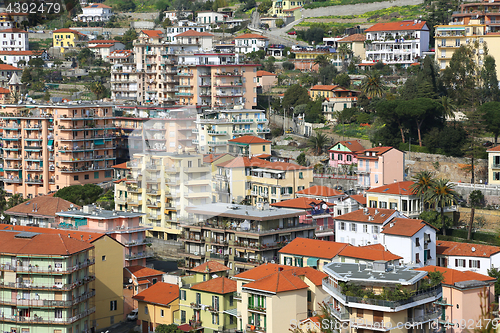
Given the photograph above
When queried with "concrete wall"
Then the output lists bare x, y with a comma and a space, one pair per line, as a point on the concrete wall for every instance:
165, 249
142, 25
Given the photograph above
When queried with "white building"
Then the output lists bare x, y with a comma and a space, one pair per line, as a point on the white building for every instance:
171, 32
467, 257
95, 13
209, 17
398, 195
203, 39
14, 39
173, 15
414, 240
247, 43
103, 48
397, 42
14, 57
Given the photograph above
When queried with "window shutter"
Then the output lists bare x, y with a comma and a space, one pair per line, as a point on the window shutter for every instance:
456, 262
478, 264
470, 263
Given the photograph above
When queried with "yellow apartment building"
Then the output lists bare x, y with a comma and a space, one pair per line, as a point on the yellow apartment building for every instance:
284, 7
249, 145
158, 304
257, 181
356, 44
398, 196
66, 38
265, 291
214, 128
494, 165
162, 185
48, 147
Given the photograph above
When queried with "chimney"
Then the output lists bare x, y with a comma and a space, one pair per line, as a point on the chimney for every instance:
365, 211
69, 235
280, 269
81, 237
376, 211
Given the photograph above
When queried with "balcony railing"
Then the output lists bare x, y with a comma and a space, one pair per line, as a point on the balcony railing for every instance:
44, 286
47, 269
140, 255
47, 302
50, 320
424, 318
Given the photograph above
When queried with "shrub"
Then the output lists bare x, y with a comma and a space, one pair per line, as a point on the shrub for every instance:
288, 66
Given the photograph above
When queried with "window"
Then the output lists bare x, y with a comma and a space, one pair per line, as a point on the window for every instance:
183, 295
231, 300
309, 296
342, 226
474, 264
155, 280
58, 313
375, 229
359, 313
162, 313
376, 179
417, 241
417, 258
373, 204
353, 227
183, 316
107, 174
339, 156
215, 319
145, 309
382, 204
113, 305
376, 164
349, 158
198, 298
263, 148
215, 303
103, 258
96, 175
301, 175
75, 177
393, 205
87, 176
190, 164
460, 263
365, 228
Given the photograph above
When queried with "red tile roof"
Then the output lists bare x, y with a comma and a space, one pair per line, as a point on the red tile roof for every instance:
404, 227
264, 73
153, 33
352, 145
315, 248
369, 252
378, 151
66, 30
261, 271
98, 5
465, 249
142, 271
194, 33
19, 53
375, 215
159, 293
41, 244
121, 166
251, 36
324, 87
497, 148
210, 267
13, 30
287, 280
300, 203
322, 191
359, 198
220, 285
46, 206
4, 91
398, 188
210, 158
353, 38
86, 236
452, 276
5, 67
397, 26
249, 139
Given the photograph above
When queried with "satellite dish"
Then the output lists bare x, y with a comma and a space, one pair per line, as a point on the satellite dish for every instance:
71, 205
130, 281
325, 206
473, 249
214, 276
314, 313
3, 218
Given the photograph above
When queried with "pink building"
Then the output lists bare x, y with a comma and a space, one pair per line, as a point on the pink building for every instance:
122, 226
461, 301
344, 153
380, 166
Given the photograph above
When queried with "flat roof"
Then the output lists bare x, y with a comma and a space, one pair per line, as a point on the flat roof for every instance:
100, 214
365, 273
244, 212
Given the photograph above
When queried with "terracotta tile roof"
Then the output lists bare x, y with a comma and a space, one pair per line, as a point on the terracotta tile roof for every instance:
315, 248
359, 198
4, 91
141, 271
5, 67
300, 203
322, 191
291, 9
375, 215
100, 46
14, 30
287, 280
120, 53
404, 227
353, 38
397, 26
194, 33
66, 30
103, 41
121, 166
399, 188
46, 206
452, 276
264, 73
368, 253
98, 5
261, 271
240, 162
213, 267
497, 148
19, 53
324, 87
352, 145
86, 236
284, 166
378, 151
120, 180
159, 293
465, 249
251, 36
210, 158
41, 244
152, 33
220, 285
250, 139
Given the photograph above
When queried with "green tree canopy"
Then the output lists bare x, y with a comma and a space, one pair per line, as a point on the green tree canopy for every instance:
171, 328
264, 6
295, 95
491, 117
80, 194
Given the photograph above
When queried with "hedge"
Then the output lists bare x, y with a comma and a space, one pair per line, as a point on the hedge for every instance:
478, 236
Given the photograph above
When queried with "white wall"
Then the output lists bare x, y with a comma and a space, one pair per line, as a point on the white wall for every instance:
484, 263
407, 248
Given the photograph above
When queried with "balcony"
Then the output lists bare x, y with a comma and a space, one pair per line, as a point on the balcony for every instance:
184, 94
40, 320
47, 302
237, 295
433, 315
236, 120
46, 286
217, 143
340, 314
228, 74
46, 270
219, 256
196, 306
258, 309
139, 255
263, 130
242, 132
211, 132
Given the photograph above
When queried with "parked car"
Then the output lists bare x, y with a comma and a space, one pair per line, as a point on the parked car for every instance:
292, 32
133, 315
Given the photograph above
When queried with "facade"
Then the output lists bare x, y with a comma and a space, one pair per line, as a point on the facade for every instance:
162, 186
280, 8
124, 227
64, 38
16, 58
269, 289
137, 279
157, 305
103, 48
485, 11
208, 17
256, 181
14, 39
240, 237
397, 196
344, 153
32, 297
356, 43
124, 77
401, 42
380, 166
494, 165
96, 12
461, 299
249, 145
204, 39
53, 146
214, 128
386, 310
266, 81
467, 257
343, 99
247, 43
39, 211
319, 192
171, 32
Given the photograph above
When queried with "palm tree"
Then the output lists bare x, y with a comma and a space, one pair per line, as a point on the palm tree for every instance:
344, 51
372, 86
322, 61
317, 143
423, 181
442, 194
448, 108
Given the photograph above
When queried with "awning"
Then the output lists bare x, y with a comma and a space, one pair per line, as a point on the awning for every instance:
232, 312
323, 234
51, 142
312, 261
99, 142
250, 251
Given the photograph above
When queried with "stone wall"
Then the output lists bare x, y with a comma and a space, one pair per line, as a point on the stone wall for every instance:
165, 249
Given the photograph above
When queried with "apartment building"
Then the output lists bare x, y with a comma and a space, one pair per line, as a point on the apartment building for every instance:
356, 43
240, 237
107, 269
398, 196
124, 227
65, 38
280, 7
163, 185
249, 145
214, 128
494, 165
344, 153
467, 257
183, 26
48, 147
401, 296
13, 39
124, 77
342, 99
486, 11
272, 297
320, 192
157, 305
402, 42
380, 166
103, 48
47, 283
209, 17
247, 43
96, 12
256, 181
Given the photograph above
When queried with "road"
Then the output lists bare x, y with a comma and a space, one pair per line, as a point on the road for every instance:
121, 327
